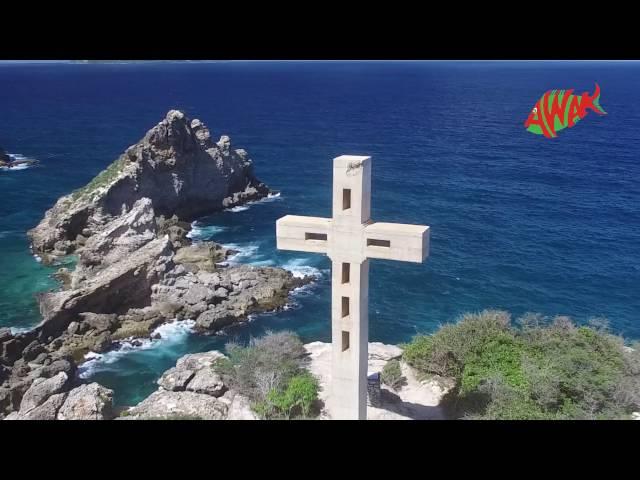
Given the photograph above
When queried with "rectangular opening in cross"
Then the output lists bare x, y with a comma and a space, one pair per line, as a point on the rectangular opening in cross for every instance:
345, 307
346, 270
372, 242
315, 236
345, 341
346, 198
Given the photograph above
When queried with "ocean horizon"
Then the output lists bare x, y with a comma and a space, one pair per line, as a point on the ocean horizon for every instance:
518, 222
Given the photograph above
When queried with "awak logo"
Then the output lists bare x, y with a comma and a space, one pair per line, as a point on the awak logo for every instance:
558, 109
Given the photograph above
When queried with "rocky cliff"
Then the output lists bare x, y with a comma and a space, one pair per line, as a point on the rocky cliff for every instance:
176, 165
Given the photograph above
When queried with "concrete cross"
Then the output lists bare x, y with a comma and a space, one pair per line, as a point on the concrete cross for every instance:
350, 238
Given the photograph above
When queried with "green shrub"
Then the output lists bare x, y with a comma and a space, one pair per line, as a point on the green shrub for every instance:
446, 352
545, 369
392, 375
296, 399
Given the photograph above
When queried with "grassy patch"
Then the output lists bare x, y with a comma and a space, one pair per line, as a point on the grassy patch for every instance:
104, 178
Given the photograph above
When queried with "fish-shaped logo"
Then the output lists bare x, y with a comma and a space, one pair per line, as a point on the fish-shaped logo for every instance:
558, 109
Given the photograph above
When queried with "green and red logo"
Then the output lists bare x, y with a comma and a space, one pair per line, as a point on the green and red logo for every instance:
558, 109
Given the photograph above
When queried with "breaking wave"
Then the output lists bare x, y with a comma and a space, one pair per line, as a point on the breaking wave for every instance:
170, 334
300, 270
248, 253
204, 232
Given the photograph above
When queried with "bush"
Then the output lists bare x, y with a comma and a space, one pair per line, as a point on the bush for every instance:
446, 352
269, 371
545, 369
266, 363
297, 399
392, 375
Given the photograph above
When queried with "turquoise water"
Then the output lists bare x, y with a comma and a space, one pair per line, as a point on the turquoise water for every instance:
518, 221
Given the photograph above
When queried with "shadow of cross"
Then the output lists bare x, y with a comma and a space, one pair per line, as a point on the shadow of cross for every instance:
350, 238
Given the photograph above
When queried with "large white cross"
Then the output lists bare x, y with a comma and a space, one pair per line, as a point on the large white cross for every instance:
350, 239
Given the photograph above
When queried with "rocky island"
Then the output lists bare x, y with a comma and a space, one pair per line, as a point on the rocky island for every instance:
136, 266
6, 161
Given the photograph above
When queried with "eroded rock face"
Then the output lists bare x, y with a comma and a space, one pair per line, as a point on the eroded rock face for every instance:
118, 287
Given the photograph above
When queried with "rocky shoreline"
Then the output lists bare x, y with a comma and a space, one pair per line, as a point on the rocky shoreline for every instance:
136, 266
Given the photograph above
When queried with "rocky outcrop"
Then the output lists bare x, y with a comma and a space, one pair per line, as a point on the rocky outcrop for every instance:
48, 400
115, 289
87, 402
176, 165
226, 296
192, 390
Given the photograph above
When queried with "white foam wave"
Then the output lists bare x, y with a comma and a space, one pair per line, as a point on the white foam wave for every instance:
300, 270
170, 334
17, 330
269, 198
204, 232
245, 252
262, 263
239, 208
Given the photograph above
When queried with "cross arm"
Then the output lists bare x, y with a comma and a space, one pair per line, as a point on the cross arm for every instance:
396, 241
305, 234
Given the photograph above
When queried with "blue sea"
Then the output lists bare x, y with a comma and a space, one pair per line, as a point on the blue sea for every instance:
518, 222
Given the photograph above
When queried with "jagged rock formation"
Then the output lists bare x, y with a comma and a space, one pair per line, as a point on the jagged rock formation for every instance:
136, 266
48, 399
176, 165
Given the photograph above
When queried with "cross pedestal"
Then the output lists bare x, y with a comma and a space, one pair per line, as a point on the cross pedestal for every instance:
350, 238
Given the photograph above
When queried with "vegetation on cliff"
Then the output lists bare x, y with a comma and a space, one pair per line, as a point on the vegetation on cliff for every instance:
540, 368
270, 372
103, 178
